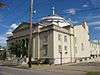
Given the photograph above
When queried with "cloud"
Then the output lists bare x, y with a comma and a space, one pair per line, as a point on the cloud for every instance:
3, 41
75, 22
85, 5
9, 33
71, 11
3, 38
72, 21
97, 28
96, 3
97, 16
96, 41
94, 23
94, 17
12, 27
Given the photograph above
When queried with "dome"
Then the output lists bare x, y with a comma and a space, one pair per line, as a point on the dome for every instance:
54, 19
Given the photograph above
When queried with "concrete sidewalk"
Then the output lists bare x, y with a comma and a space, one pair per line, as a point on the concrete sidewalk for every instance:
68, 69
80, 66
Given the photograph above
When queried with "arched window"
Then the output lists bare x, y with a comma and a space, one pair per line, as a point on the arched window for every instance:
65, 38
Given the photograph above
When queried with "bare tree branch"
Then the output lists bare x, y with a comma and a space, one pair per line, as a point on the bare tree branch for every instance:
2, 5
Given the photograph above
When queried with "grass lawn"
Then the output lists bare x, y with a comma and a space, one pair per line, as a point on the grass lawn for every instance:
93, 73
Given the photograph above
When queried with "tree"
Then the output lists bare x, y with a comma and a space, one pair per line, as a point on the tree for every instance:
16, 49
19, 48
2, 5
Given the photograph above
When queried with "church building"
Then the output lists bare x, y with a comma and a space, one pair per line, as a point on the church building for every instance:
53, 39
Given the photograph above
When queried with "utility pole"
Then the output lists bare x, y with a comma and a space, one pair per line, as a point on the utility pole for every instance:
30, 35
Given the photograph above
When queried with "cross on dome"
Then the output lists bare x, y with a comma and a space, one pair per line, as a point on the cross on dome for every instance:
53, 10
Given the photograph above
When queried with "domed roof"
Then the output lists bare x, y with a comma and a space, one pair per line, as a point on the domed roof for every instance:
55, 19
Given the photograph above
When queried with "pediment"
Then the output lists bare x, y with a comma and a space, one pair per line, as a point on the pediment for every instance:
21, 27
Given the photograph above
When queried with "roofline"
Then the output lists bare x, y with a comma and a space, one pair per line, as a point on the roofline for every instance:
25, 23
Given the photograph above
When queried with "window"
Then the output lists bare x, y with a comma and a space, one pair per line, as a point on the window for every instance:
45, 50
65, 38
75, 40
82, 47
59, 48
59, 36
65, 48
45, 37
75, 49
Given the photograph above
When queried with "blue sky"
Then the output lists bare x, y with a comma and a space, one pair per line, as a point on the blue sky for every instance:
17, 12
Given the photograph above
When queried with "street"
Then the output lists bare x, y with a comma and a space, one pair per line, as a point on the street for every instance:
55, 70
13, 71
74, 69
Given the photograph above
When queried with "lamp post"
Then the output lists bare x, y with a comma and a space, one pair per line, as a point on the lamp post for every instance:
30, 35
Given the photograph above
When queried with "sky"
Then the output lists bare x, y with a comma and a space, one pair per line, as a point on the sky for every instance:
17, 11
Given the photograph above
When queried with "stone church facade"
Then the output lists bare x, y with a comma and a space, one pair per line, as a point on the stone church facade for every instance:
55, 39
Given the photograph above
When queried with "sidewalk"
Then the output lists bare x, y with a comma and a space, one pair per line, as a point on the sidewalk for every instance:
54, 68
69, 69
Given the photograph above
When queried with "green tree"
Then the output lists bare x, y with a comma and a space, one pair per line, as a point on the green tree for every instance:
16, 49
24, 47
19, 48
